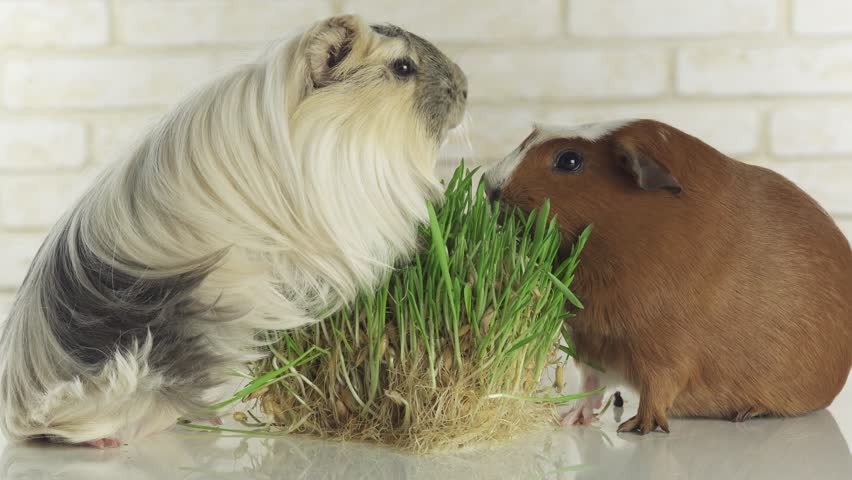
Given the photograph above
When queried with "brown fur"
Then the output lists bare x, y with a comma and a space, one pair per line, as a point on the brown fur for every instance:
729, 299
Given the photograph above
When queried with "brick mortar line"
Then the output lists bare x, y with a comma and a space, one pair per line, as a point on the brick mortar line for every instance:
30, 230
565, 18
83, 114
728, 40
787, 158
676, 101
671, 70
122, 51
662, 100
836, 101
154, 111
764, 137
560, 42
56, 172
111, 22
776, 34
787, 7
756, 97
89, 113
47, 171
89, 160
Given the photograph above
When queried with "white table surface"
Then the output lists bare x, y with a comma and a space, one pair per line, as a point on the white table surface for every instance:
813, 447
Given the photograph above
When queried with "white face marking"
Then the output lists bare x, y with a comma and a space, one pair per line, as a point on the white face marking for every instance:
499, 174
587, 131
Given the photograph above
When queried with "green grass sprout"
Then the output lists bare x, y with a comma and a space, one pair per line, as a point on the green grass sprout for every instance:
451, 347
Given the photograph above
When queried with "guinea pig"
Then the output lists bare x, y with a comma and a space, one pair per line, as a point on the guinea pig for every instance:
264, 201
714, 288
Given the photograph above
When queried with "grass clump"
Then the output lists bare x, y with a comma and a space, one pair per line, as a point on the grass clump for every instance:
450, 348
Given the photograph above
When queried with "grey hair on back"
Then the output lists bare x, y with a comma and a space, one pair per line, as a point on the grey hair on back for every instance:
251, 206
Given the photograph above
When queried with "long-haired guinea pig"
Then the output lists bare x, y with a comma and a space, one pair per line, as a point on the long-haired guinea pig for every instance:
266, 200
715, 288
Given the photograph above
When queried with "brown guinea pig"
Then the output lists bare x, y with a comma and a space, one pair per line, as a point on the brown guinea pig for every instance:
715, 288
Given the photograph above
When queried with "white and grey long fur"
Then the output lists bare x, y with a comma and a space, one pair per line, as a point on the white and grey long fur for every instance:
266, 200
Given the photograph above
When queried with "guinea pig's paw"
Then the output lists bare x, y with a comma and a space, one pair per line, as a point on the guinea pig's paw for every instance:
746, 414
578, 415
645, 423
102, 443
212, 419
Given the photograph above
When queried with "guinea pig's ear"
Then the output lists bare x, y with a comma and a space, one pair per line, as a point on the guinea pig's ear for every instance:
647, 172
329, 45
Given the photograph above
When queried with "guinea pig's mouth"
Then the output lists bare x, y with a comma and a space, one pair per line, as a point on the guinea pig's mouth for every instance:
456, 144
500, 207
502, 210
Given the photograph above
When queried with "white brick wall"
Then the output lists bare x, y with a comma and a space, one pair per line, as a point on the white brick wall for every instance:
211, 22
761, 71
479, 21
826, 180
554, 73
812, 130
5, 305
822, 17
18, 251
126, 80
37, 201
846, 226
62, 24
670, 18
41, 144
768, 81
115, 135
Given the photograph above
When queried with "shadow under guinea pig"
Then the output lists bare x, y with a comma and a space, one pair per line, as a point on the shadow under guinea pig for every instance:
192, 455
810, 446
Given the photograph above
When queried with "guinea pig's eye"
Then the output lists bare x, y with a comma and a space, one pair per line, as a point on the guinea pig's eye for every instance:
568, 161
404, 67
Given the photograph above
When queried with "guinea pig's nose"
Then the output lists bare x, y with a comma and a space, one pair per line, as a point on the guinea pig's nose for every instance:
451, 92
493, 193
